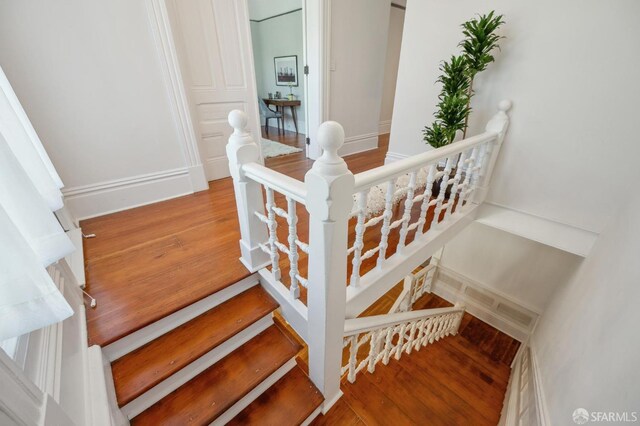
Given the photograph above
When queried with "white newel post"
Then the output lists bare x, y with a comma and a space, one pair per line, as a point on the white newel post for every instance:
330, 186
242, 149
499, 124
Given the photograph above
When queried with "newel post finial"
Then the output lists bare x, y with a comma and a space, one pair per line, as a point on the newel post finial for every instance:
331, 139
242, 150
500, 120
330, 187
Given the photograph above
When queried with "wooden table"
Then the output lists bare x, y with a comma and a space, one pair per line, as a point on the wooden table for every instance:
281, 104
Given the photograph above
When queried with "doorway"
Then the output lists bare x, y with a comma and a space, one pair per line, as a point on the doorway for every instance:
277, 38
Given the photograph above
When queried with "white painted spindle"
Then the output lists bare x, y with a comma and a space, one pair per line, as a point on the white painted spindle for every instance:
386, 222
408, 206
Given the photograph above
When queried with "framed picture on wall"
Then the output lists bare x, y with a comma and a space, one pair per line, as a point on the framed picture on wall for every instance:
286, 70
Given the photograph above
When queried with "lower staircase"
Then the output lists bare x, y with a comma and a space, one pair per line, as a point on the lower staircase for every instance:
231, 364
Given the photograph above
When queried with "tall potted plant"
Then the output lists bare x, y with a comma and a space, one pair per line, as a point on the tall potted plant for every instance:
454, 102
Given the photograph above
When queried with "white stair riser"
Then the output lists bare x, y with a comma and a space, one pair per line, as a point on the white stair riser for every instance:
190, 371
236, 408
145, 335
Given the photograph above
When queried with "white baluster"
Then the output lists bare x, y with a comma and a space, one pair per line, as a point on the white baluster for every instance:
386, 222
428, 189
408, 206
331, 187
456, 183
241, 150
470, 172
444, 184
272, 225
358, 243
292, 220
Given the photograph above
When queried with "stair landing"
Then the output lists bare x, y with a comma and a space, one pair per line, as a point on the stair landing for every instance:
151, 261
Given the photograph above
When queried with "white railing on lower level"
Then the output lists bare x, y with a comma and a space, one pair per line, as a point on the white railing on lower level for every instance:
389, 336
383, 222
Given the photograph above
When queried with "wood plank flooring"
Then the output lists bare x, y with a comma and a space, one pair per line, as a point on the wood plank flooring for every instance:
148, 262
458, 380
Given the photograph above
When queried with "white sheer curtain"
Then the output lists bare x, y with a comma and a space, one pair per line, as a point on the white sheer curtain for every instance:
26, 146
30, 236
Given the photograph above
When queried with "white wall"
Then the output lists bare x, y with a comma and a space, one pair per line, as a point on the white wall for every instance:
569, 67
261, 9
89, 77
358, 48
392, 59
570, 151
278, 36
587, 343
525, 271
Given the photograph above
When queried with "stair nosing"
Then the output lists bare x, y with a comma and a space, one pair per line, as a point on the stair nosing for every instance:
132, 396
260, 378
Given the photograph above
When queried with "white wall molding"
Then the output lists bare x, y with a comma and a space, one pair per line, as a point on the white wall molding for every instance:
360, 143
524, 402
393, 156
562, 236
384, 127
494, 308
163, 35
120, 194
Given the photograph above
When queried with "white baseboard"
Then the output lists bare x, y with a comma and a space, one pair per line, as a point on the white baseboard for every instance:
495, 309
384, 126
121, 194
154, 330
393, 156
217, 168
360, 143
198, 178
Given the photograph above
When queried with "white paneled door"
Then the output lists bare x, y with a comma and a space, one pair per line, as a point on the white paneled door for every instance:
213, 42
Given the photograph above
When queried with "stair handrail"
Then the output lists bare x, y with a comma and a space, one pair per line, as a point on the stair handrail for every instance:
361, 325
322, 321
278, 181
390, 335
381, 174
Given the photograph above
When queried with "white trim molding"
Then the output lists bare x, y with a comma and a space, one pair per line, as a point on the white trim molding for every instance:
359, 143
384, 127
163, 35
524, 402
562, 236
496, 309
121, 194
393, 156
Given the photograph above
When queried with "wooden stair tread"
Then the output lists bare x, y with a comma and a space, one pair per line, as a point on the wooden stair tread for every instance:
212, 392
142, 369
288, 402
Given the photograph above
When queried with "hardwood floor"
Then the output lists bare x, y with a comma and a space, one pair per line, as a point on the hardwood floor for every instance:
459, 380
149, 262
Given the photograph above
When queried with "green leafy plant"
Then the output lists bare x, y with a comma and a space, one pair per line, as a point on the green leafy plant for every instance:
454, 101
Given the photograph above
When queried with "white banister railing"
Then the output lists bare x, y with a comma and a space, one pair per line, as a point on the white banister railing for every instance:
302, 237
382, 337
410, 205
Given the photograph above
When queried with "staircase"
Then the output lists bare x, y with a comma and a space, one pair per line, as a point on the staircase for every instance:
345, 241
231, 364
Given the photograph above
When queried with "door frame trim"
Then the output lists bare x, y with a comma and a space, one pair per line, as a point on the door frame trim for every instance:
188, 138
